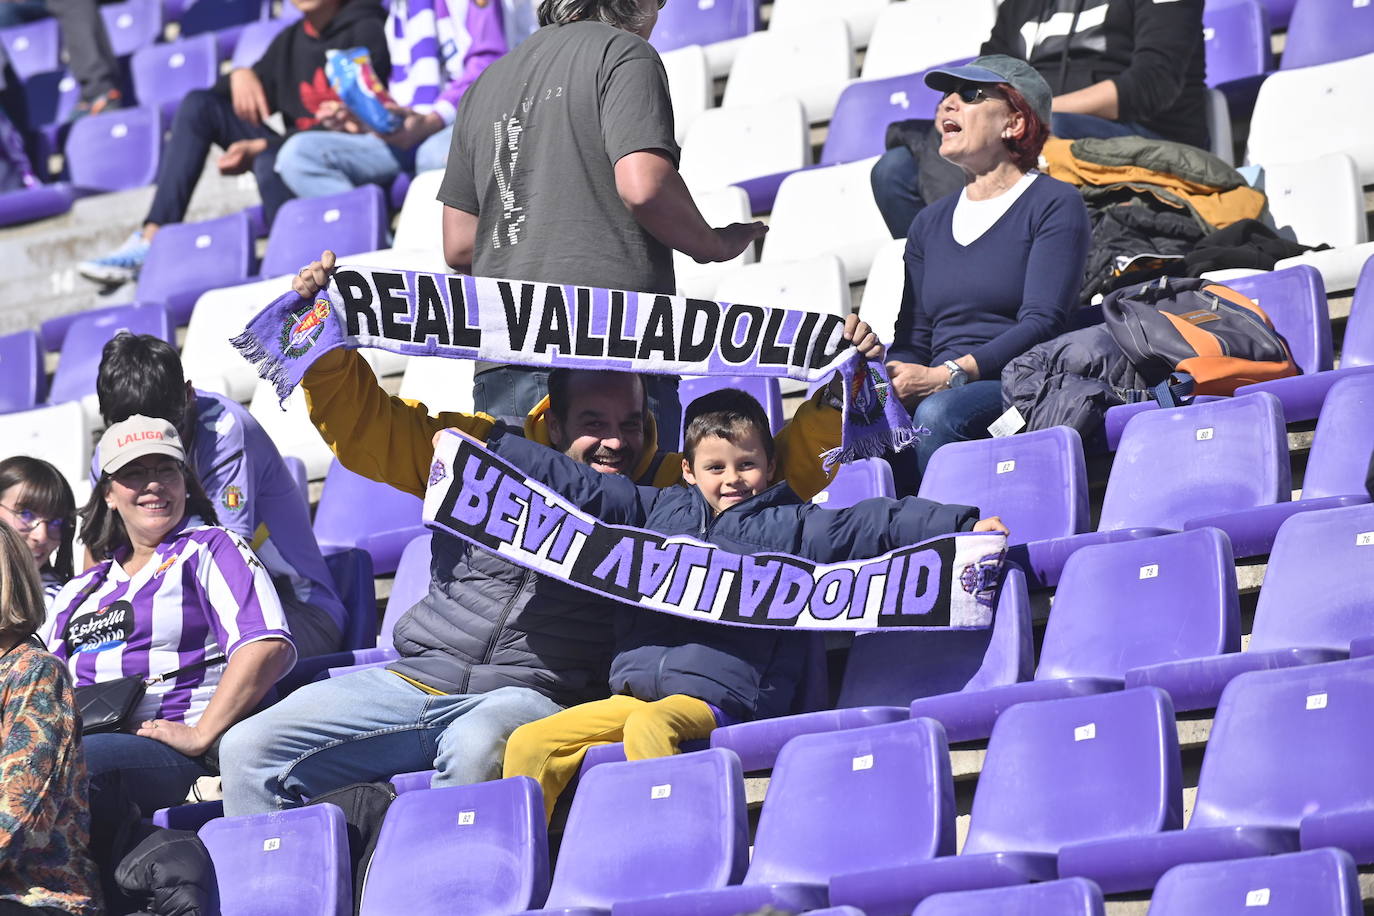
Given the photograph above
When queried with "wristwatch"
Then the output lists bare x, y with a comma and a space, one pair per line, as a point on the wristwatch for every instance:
957, 376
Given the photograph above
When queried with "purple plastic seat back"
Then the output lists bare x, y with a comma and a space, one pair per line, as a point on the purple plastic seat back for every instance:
1344, 440
347, 223
894, 668
87, 336
858, 128
132, 24
1295, 300
352, 508
857, 481
1236, 40
296, 467
1079, 769
1280, 11
115, 150
1142, 602
255, 38
26, 205
764, 390
21, 371
293, 861
1036, 482
1319, 882
1066, 897
1205, 459
683, 24
163, 74
652, 827
200, 16
352, 574
410, 585
1319, 587
847, 801
187, 259
32, 47
1289, 743
1321, 31
482, 844
1357, 347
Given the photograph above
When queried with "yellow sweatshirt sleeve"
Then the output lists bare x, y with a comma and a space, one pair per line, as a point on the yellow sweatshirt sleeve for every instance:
375, 434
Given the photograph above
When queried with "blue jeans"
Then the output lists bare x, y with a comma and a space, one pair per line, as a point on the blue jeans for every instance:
155, 775
315, 163
433, 152
365, 726
895, 176
513, 391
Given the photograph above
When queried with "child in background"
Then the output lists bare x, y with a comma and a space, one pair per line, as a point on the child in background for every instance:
677, 679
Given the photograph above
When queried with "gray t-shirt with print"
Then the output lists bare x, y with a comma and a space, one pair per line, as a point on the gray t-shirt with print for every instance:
534, 152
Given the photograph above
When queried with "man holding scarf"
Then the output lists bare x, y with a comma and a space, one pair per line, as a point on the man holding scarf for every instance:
492, 645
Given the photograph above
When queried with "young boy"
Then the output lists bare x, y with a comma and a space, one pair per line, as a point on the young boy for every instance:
677, 679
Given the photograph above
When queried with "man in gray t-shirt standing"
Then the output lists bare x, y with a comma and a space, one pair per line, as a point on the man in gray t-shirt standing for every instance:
563, 169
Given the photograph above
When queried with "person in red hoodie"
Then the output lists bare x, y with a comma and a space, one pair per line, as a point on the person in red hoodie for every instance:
288, 79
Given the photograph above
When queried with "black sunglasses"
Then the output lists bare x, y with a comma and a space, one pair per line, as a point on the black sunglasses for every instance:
970, 94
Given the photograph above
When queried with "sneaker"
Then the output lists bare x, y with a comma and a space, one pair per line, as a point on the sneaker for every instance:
107, 102
120, 265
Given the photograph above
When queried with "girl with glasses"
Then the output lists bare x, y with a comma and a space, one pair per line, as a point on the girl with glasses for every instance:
37, 502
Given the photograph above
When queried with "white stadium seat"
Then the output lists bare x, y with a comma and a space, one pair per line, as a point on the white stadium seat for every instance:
219, 315
440, 384
726, 145
720, 207
859, 15
689, 86
919, 34
421, 223
811, 63
1317, 201
1308, 112
1219, 126
827, 211
882, 297
291, 429
57, 434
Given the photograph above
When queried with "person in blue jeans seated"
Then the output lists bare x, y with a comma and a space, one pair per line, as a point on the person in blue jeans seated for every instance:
289, 78
990, 271
1116, 68
676, 679
451, 39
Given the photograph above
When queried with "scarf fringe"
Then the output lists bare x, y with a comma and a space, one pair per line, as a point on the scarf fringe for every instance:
268, 366
873, 446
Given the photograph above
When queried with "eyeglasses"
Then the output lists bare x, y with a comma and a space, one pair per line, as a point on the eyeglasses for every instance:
30, 520
137, 476
970, 94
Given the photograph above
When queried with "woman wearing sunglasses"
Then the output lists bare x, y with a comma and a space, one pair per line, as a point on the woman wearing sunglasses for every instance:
173, 596
991, 271
37, 502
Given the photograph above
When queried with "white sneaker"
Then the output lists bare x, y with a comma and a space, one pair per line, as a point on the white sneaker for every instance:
120, 265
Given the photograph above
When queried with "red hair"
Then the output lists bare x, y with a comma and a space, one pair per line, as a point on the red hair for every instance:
1025, 149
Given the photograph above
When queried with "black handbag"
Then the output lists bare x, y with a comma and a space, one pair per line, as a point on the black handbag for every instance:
106, 707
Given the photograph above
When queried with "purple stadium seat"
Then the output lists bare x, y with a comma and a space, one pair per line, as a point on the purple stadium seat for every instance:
1315, 600
163, 74
1335, 472
1179, 464
225, 18
132, 24
484, 845
296, 467
1280, 11
352, 574
38, 202
1037, 482
1288, 756
410, 585
255, 38
1119, 606
855, 481
188, 817
1322, 882
1322, 31
882, 677
1056, 773
357, 512
293, 861
837, 803
21, 371
1302, 395
187, 259
86, 337
115, 150
1295, 301
764, 390
33, 47
1236, 34
1067, 897
418, 781
347, 223
683, 24
858, 129
652, 827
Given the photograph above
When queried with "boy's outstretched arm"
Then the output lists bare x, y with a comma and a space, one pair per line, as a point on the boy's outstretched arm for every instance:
874, 526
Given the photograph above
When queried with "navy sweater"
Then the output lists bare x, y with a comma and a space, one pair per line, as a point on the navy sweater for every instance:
1013, 288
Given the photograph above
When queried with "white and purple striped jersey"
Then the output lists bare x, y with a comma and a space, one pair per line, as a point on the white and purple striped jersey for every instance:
203, 594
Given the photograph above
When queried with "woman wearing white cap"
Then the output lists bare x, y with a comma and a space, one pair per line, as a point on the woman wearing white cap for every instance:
991, 271
174, 597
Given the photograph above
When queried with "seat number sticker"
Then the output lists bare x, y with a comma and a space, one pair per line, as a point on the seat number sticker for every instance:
271, 844
1085, 732
1316, 701
1006, 467
1258, 897
1364, 539
1149, 572
863, 762
661, 791
1205, 433
467, 818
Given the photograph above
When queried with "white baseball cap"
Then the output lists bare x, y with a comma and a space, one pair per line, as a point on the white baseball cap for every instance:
135, 437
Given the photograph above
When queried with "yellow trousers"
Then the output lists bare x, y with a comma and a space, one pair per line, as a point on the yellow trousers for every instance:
551, 750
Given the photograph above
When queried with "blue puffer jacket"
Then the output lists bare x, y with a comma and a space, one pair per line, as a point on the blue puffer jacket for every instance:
745, 673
